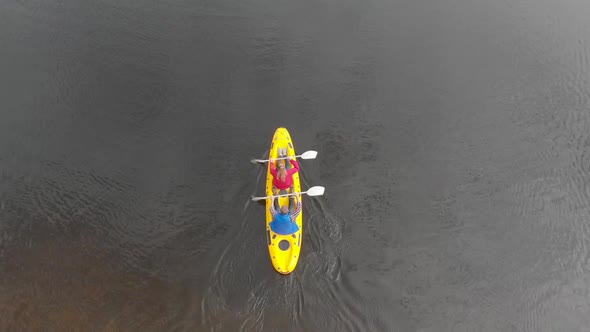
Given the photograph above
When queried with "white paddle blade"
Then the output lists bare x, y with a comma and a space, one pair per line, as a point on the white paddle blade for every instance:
316, 191
309, 154
258, 198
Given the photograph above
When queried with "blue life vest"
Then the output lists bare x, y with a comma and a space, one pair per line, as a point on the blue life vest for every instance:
283, 225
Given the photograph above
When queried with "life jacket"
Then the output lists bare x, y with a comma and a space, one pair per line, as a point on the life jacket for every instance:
283, 225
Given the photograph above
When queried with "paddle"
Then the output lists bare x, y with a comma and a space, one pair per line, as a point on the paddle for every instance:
313, 191
305, 155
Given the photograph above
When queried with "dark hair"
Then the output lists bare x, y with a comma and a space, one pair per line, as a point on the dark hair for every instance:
281, 210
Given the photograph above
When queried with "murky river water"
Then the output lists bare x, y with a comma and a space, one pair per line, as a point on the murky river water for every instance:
453, 141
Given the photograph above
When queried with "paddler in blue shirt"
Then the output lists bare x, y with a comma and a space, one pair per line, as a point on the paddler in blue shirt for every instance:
285, 223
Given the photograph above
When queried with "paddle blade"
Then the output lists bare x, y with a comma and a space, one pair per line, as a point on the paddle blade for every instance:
258, 198
309, 154
316, 191
257, 161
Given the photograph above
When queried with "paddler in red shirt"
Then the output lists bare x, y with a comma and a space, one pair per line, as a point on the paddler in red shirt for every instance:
283, 177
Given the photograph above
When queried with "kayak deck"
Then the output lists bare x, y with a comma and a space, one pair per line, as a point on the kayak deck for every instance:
284, 250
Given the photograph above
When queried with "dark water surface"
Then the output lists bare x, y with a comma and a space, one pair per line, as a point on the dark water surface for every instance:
453, 139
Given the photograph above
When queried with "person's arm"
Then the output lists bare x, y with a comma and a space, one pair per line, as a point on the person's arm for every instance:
273, 170
297, 210
295, 168
273, 211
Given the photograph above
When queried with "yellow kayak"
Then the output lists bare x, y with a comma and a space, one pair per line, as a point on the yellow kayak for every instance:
283, 249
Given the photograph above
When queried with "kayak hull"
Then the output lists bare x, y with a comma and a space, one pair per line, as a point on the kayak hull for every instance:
284, 250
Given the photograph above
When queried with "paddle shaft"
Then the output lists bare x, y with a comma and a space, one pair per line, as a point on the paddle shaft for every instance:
305, 155
288, 157
313, 191
283, 195
291, 194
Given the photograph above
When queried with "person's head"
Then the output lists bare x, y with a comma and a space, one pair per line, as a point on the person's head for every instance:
281, 170
284, 209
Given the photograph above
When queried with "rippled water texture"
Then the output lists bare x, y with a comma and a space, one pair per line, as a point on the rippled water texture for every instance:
453, 141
